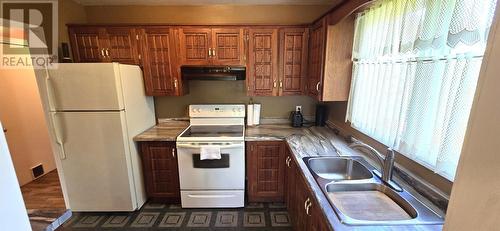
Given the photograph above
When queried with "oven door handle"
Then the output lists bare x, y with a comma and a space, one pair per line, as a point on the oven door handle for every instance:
210, 196
221, 145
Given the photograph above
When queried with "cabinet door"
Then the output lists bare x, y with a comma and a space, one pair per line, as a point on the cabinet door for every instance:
122, 45
262, 65
300, 219
161, 173
160, 77
290, 195
306, 214
194, 46
316, 58
293, 60
266, 171
317, 219
227, 46
87, 44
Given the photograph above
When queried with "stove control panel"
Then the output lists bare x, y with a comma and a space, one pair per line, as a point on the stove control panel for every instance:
217, 111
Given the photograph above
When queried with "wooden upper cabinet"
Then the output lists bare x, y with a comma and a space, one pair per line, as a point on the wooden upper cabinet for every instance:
87, 44
316, 58
293, 61
338, 61
262, 67
211, 46
194, 46
121, 45
160, 74
104, 44
330, 60
227, 46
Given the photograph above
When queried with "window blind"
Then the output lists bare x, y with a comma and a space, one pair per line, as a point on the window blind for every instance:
416, 64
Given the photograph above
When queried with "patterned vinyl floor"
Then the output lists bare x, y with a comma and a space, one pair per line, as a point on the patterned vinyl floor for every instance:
255, 217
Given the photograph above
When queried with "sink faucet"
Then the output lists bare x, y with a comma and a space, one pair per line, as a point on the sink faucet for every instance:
386, 163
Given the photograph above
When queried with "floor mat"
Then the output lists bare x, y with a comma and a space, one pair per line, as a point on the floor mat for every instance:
153, 216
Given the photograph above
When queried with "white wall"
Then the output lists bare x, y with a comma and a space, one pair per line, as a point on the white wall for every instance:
475, 198
22, 114
13, 215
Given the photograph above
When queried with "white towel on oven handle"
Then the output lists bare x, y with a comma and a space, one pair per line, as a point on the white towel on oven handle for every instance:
210, 152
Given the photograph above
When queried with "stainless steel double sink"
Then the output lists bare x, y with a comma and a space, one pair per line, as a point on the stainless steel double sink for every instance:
359, 197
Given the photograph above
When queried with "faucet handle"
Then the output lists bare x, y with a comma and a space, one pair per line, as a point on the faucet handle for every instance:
390, 153
350, 139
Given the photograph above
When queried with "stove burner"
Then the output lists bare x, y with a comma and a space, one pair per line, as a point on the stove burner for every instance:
213, 131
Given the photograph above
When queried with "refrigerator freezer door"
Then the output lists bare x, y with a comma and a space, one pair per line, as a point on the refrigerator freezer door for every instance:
84, 87
96, 164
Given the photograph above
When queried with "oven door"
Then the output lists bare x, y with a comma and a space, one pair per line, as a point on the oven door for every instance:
227, 173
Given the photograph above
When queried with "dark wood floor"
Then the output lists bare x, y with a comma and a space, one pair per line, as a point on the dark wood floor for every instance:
44, 193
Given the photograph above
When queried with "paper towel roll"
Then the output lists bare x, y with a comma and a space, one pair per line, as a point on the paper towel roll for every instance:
256, 114
250, 115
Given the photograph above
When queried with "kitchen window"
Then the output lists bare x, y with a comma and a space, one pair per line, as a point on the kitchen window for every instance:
416, 64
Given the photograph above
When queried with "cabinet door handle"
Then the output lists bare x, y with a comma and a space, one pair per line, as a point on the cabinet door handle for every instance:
281, 84
213, 52
209, 52
175, 83
288, 159
317, 86
306, 203
173, 152
107, 52
308, 207
102, 52
274, 84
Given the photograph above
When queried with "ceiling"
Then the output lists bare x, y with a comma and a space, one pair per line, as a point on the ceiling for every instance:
203, 2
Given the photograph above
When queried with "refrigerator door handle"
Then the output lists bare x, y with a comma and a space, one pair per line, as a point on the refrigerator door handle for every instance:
59, 139
48, 88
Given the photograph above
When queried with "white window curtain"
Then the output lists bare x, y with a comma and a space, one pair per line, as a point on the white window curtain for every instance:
416, 64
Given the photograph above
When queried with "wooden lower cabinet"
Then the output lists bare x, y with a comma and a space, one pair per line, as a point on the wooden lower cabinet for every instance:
273, 176
161, 173
266, 171
290, 195
298, 196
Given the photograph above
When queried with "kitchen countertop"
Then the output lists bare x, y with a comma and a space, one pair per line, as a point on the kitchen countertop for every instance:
168, 130
303, 142
271, 132
163, 131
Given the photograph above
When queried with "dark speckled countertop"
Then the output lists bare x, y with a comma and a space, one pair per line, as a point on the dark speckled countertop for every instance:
304, 142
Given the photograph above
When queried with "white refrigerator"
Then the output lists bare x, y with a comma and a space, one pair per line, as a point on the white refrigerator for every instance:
94, 110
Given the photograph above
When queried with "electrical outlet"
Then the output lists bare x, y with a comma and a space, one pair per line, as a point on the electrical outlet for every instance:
298, 108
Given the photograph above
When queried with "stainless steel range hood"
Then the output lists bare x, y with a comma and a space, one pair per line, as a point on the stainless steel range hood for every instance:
213, 73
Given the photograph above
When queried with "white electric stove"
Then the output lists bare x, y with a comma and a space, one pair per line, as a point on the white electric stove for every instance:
213, 183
